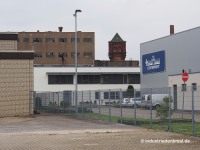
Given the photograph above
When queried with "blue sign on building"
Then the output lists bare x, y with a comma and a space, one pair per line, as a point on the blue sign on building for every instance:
153, 62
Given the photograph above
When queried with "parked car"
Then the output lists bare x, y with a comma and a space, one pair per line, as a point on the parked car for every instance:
125, 102
137, 100
129, 102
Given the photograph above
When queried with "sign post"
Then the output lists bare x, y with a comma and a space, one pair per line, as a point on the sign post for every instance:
184, 78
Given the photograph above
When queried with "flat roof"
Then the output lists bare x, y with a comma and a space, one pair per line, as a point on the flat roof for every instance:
171, 35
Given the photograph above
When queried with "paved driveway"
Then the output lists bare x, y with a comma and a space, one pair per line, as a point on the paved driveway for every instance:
44, 132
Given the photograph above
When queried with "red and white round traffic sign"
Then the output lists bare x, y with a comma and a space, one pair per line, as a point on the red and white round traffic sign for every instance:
185, 76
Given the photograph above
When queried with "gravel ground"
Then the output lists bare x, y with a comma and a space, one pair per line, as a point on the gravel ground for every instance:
44, 132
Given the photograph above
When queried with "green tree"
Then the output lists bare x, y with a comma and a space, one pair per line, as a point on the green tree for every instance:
163, 110
130, 91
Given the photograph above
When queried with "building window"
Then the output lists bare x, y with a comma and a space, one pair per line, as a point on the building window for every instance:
38, 54
194, 86
73, 54
133, 79
113, 95
60, 79
125, 79
36, 40
50, 54
62, 54
88, 79
184, 87
87, 54
62, 40
120, 79
26, 40
87, 40
73, 39
50, 40
106, 95
97, 95
112, 79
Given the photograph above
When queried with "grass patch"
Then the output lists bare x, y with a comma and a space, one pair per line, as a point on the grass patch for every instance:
178, 125
140, 121
177, 128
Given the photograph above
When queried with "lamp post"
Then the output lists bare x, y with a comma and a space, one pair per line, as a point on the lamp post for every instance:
76, 64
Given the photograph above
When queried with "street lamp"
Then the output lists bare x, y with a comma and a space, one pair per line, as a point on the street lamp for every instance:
76, 74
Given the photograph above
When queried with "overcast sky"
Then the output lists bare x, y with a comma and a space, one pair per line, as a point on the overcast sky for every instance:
136, 21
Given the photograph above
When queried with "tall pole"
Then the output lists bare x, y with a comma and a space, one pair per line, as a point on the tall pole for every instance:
76, 63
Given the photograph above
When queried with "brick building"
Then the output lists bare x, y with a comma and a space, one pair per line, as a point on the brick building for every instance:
16, 83
57, 48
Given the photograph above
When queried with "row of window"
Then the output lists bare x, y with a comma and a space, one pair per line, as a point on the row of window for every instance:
62, 54
96, 79
113, 95
52, 40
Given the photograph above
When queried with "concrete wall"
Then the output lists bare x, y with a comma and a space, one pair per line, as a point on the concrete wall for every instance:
181, 52
16, 84
177, 80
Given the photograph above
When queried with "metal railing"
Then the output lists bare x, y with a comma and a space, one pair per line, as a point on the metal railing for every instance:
169, 109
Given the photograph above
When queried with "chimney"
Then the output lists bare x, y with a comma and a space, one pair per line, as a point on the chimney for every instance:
60, 29
171, 29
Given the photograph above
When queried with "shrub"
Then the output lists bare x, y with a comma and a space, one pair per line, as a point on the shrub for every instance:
163, 110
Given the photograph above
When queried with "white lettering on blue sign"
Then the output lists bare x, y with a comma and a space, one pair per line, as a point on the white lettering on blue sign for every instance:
153, 62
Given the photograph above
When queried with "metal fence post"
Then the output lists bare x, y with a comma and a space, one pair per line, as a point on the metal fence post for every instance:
109, 108
134, 107
151, 110
169, 126
34, 100
58, 102
90, 103
82, 103
193, 129
100, 104
120, 105
183, 88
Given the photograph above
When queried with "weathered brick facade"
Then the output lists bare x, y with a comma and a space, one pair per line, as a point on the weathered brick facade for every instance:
16, 83
50, 46
8, 45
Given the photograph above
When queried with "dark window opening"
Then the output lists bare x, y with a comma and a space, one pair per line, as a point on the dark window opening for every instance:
87, 40
60, 79
62, 40
73, 39
50, 40
37, 40
26, 40
88, 79
50, 54
38, 55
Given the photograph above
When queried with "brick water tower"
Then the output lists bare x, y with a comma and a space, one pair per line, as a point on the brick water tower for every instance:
117, 49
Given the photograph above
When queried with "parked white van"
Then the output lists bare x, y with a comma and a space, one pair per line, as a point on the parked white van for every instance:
157, 100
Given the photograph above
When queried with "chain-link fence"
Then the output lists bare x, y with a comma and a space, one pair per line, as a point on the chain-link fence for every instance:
173, 109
